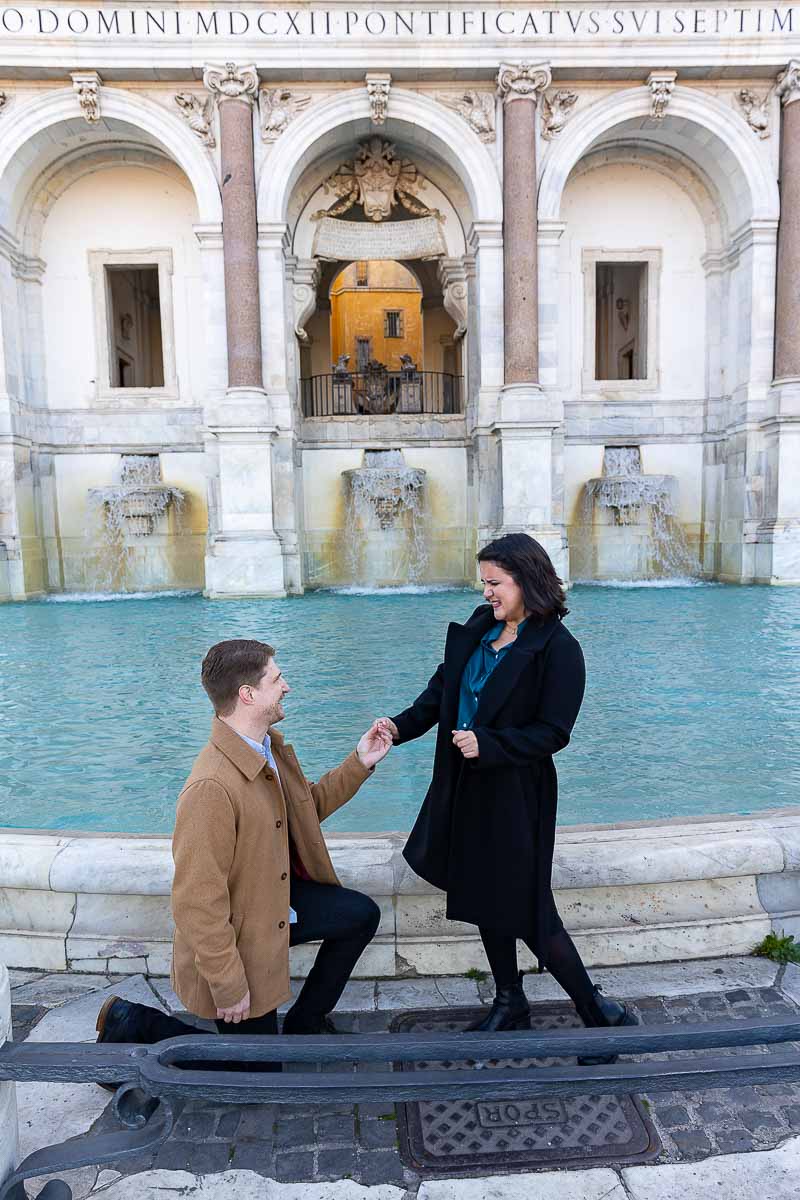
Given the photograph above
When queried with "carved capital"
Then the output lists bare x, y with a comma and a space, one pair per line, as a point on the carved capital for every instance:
197, 114
523, 81
661, 85
378, 86
230, 82
453, 278
86, 85
788, 85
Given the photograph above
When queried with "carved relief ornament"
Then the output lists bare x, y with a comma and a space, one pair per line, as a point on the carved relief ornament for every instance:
377, 180
86, 85
477, 109
453, 278
755, 110
556, 109
523, 81
277, 108
197, 114
661, 85
305, 280
230, 82
788, 84
378, 86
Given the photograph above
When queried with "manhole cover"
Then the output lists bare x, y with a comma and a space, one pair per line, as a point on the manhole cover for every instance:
470, 1135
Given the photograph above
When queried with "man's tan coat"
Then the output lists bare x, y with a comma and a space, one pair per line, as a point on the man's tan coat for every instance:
230, 895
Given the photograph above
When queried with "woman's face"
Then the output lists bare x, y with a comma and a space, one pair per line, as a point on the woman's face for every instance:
503, 592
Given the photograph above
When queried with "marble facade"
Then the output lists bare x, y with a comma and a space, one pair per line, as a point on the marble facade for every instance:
545, 140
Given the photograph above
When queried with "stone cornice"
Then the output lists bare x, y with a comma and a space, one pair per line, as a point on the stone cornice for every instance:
523, 81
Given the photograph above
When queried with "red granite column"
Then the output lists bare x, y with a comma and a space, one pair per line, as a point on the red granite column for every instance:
236, 89
787, 298
520, 86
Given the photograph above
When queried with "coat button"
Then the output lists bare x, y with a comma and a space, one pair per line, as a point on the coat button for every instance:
281, 925
266, 776
284, 875
278, 824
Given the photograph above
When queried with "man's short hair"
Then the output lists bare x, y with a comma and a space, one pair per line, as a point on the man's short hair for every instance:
229, 666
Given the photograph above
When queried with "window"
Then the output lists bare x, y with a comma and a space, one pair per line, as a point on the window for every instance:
362, 274
134, 329
363, 353
392, 323
621, 314
621, 333
134, 332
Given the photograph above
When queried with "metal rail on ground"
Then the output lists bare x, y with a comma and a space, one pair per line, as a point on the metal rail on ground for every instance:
150, 1078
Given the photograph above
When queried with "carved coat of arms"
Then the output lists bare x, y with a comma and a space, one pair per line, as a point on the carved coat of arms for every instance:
377, 180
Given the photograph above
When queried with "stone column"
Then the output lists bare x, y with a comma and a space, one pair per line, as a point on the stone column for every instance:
244, 556
9, 1137
236, 89
520, 87
776, 557
787, 296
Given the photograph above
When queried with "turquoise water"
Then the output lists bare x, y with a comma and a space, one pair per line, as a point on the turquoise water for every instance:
691, 706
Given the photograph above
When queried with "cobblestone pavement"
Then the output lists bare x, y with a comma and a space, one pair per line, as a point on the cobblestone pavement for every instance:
361, 1142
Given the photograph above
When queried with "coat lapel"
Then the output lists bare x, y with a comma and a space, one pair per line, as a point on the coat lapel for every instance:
461, 641
504, 677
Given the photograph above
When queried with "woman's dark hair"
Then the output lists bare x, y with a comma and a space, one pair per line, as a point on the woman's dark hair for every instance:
529, 565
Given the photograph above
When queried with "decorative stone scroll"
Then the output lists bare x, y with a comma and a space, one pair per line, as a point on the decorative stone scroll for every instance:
230, 82
86, 85
556, 109
378, 86
453, 278
197, 114
377, 180
305, 279
756, 110
277, 108
523, 81
661, 85
788, 84
397, 240
477, 109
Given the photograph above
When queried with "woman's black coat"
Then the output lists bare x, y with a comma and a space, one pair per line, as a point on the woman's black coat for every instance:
486, 830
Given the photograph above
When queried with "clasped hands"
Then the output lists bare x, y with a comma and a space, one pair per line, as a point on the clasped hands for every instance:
463, 739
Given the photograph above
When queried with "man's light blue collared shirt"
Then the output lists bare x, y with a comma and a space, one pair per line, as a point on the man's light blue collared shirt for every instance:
265, 748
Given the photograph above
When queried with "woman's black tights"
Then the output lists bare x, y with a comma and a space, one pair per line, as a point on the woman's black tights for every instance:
559, 955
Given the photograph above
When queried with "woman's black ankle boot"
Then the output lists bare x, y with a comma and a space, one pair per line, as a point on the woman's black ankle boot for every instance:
510, 1010
603, 1013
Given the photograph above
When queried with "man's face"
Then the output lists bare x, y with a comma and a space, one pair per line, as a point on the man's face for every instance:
267, 696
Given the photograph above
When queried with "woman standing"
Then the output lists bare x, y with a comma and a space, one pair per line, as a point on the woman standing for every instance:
505, 699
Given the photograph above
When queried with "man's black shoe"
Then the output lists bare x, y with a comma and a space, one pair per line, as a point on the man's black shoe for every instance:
117, 1021
311, 1025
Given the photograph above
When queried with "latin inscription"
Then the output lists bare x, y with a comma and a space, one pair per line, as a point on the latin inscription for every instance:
368, 24
525, 1112
390, 240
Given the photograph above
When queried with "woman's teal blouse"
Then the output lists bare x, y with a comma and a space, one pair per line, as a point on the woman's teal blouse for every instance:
480, 665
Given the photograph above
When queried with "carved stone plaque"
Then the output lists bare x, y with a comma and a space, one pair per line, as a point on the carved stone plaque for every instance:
359, 240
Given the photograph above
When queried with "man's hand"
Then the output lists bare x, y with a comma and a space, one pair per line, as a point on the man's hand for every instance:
386, 723
466, 741
238, 1012
374, 745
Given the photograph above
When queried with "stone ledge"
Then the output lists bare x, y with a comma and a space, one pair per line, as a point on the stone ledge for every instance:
640, 892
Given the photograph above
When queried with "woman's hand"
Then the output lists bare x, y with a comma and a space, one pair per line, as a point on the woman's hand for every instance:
374, 745
466, 741
386, 723
236, 1012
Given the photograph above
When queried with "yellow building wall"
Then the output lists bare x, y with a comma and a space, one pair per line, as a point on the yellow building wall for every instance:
359, 312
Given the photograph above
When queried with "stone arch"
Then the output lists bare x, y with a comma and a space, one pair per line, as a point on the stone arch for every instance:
702, 128
419, 119
25, 123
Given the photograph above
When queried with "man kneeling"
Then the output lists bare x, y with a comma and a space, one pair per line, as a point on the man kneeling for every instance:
252, 871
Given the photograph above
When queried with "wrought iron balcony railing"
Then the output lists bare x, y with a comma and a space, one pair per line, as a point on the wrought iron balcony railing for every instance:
381, 394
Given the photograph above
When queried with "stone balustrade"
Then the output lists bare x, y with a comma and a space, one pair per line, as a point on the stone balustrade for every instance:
635, 893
